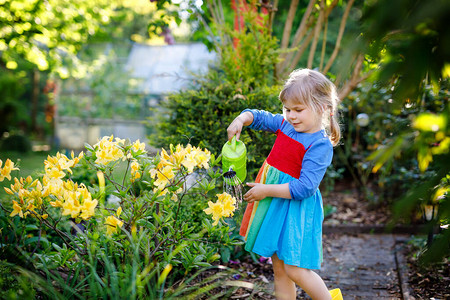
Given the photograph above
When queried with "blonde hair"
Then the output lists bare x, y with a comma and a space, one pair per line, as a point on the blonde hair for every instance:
313, 89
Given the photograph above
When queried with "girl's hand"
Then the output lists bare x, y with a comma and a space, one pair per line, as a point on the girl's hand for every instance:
260, 191
235, 128
256, 193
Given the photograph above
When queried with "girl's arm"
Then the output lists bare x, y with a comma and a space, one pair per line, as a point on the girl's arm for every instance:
235, 128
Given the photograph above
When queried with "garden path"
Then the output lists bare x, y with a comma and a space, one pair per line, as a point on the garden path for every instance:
363, 266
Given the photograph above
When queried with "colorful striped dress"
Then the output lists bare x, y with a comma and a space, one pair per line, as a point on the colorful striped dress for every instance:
291, 228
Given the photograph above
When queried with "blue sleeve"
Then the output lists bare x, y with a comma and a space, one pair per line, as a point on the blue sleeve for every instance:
315, 163
266, 121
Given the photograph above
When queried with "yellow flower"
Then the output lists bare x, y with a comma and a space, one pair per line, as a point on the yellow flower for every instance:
5, 172
55, 165
78, 158
138, 146
224, 207
120, 141
55, 173
108, 151
53, 185
190, 162
88, 208
37, 193
112, 223
71, 205
135, 174
203, 158
16, 210
56, 203
164, 177
214, 208
229, 206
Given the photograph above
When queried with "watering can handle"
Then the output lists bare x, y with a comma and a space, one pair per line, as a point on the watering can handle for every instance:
233, 143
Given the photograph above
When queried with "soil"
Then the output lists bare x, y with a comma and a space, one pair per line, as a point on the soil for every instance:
352, 210
427, 282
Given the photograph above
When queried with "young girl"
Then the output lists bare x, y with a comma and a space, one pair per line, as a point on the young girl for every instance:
283, 218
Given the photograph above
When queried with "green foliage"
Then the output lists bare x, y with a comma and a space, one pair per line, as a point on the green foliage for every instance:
159, 234
46, 34
410, 39
242, 80
15, 142
12, 89
13, 285
202, 116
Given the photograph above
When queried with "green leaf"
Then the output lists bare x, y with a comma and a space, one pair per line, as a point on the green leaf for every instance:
225, 254
89, 147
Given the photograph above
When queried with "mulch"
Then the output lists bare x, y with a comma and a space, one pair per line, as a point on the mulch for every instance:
427, 281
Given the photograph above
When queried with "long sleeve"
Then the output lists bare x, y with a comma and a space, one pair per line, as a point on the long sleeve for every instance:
266, 121
315, 163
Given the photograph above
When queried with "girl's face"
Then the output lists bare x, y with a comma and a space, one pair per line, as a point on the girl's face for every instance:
301, 117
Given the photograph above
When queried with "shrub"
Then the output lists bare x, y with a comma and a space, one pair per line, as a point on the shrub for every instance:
243, 78
133, 247
16, 142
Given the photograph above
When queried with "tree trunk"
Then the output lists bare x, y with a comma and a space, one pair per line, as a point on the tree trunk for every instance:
35, 100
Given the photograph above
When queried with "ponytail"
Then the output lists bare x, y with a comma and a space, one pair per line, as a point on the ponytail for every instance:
335, 130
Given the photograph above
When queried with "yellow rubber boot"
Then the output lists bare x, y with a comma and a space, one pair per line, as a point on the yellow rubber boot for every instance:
336, 294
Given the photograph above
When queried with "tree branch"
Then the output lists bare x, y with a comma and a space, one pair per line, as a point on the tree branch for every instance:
299, 34
300, 51
317, 29
339, 38
355, 79
272, 13
288, 24
324, 43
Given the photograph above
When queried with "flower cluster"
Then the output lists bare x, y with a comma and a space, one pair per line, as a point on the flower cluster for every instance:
224, 207
74, 200
30, 194
56, 165
113, 223
180, 158
135, 171
5, 172
109, 150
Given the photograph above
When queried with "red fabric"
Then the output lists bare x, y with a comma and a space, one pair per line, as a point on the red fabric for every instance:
287, 155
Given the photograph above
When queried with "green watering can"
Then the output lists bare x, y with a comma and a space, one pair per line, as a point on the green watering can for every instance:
234, 161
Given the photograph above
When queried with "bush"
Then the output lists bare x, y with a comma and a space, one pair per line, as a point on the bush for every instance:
243, 79
386, 121
203, 115
88, 247
16, 142
13, 285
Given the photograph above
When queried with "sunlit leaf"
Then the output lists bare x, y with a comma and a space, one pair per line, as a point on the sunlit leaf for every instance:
424, 157
430, 122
